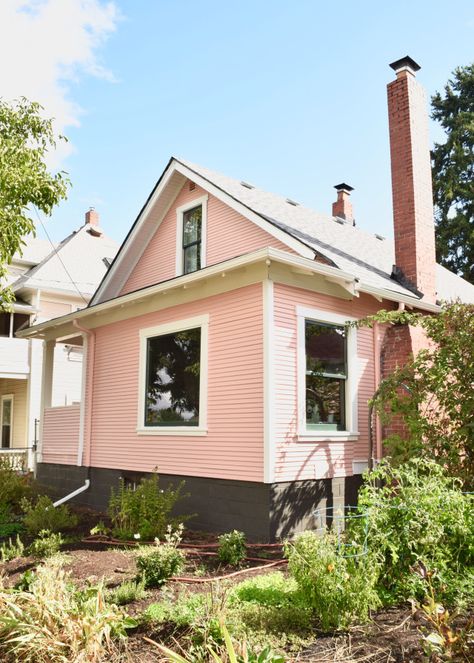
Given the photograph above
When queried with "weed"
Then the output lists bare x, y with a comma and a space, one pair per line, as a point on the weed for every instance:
10, 550
100, 528
127, 592
51, 621
46, 544
232, 548
144, 510
339, 589
42, 515
159, 562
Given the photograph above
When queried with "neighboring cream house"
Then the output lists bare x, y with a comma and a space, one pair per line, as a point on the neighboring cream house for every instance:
48, 281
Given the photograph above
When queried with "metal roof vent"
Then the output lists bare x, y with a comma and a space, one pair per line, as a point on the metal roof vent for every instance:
381, 237
247, 185
292, 202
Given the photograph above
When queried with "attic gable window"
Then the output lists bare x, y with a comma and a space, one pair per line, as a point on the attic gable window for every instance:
192, 226
191, 221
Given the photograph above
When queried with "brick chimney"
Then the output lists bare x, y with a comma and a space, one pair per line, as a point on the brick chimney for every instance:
342, 208
415, 259
92, 217
92, 221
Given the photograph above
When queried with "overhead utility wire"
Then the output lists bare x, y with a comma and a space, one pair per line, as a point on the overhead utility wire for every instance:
59, 257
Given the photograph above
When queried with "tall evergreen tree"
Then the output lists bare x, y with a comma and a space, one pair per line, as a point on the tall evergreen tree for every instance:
453, 173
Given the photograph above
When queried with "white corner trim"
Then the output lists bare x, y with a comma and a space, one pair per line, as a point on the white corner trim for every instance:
304, 313
82, 410
201, 321
268, 383
201, 201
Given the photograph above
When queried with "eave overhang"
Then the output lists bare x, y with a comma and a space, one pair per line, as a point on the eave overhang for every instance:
349, 286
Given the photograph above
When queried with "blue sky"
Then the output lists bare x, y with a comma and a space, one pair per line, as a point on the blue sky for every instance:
290, 96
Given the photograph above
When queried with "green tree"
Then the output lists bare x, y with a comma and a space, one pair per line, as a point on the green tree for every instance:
453, 173
437, 401
26, 138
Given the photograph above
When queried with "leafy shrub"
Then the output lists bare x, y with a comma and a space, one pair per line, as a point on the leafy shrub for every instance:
417, 514
42, 515
232, 548
131, 590
144, 510
10, 550
54, 622
159, 562
13, 485
8, 522
46, 544
339, 589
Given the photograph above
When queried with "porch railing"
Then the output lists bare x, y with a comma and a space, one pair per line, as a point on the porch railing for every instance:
17, 459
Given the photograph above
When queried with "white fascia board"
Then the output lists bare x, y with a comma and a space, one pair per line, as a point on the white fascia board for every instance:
393, 296
139, 223
239, 207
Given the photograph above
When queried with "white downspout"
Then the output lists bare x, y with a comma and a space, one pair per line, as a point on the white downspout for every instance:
66, 498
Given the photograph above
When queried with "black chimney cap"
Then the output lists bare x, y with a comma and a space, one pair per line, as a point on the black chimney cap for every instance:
344, 187
407, 61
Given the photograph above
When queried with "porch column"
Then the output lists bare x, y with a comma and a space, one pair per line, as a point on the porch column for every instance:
46, 388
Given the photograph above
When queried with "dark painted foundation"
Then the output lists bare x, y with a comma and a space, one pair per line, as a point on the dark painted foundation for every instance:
265, 512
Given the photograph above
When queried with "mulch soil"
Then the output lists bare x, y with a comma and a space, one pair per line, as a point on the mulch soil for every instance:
393, 636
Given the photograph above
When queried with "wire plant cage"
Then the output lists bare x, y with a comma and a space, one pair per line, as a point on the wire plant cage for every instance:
339, 520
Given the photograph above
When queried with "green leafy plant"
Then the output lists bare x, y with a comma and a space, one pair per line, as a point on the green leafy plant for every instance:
228, 652
339, 589
8, 522
42, 515
232, 548
100, 528
418, 514
441, 638
436, 402
14, 486
163, 560
52, 621
10, 550
127, 592
145, 511
46, 544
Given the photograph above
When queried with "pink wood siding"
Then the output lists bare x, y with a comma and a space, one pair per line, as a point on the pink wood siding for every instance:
233, 447
309, 460
61, 434
228, 235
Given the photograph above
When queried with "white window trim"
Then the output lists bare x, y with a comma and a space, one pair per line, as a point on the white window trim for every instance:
352, 380
180, 211
201, 321
6, 397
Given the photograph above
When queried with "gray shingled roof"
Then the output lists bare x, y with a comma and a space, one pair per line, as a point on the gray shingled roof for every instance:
348, 247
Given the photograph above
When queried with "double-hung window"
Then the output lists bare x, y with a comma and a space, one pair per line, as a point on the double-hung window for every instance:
327, 374
191, 236
173, 374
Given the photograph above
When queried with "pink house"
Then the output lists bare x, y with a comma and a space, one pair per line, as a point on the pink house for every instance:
217, 347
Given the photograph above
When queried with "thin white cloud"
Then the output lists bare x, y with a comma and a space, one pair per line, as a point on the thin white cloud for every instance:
45, 45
